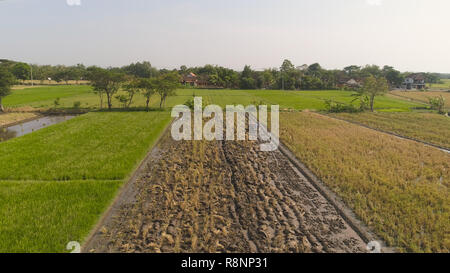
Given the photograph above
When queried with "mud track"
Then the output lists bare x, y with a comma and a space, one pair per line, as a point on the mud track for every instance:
222, 197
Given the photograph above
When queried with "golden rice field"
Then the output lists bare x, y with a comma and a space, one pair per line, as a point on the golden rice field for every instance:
397, 187
428, 127
423, 96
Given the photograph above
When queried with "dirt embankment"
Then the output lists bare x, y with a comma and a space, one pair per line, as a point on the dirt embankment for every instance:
10, 119
223, 197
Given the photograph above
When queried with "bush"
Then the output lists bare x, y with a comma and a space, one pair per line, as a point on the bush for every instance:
337, 107
57, 102
123, 100
77, 104
437, 103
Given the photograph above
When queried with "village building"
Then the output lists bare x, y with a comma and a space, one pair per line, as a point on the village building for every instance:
352, 83
193, 80
414, 81
349, 83
190, 79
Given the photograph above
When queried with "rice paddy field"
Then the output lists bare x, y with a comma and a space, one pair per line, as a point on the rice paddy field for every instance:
44, 97
428, 127
55, 183
423, 96
445, 85
42, 217
399, 188
93, 146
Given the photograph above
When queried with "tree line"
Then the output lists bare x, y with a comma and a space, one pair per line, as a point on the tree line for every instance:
106, 83
286, 77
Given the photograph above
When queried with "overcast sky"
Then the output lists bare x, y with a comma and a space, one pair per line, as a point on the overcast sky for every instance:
412, 35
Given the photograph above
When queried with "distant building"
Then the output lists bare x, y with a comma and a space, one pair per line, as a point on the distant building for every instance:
352, 83
349, 83
193, 80
190, 79
414, 81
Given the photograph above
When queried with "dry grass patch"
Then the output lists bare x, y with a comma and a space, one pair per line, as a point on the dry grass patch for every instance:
10, 118
398, 187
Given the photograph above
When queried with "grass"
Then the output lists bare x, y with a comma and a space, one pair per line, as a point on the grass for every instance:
398, 188
44, 216
44, 96
427, 127
93, 146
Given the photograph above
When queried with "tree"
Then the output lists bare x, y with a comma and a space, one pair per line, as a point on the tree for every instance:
314, 70
353, 71
21, 71
63, 74
77, 72
374, 87
38, 73
106, 82
131, 88
373, 70
246, 80
287, 66
166, 86
148, 88
288, 77
394, 77
6, 81
311, 83
140, 70
431, 78
267, 79
183, 70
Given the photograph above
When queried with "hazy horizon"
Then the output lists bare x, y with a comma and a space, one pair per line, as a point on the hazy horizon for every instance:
411, 35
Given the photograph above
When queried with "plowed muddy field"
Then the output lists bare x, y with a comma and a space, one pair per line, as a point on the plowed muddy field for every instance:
222, 196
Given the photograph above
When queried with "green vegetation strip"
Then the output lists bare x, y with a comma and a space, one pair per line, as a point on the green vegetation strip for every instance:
427, 127
44, 96
398, 188
45, 216
299, 100
106, 146
78, 166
